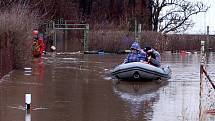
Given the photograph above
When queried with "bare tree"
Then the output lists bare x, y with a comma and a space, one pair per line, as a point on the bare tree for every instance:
174, 15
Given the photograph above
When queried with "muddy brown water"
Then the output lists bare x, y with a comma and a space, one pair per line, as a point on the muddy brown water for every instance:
78, 87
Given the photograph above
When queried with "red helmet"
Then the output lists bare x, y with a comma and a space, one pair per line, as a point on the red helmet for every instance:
35, 32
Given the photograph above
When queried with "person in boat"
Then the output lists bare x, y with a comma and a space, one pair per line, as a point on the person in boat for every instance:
136, 55
152, 56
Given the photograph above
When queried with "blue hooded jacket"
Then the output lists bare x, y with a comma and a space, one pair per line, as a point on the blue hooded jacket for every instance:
135, 57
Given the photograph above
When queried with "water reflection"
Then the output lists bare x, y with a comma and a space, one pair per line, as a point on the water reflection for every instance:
27, 116
140, 97
39, 69
73, 86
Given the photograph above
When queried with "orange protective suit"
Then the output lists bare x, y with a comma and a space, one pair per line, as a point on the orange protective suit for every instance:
38, 47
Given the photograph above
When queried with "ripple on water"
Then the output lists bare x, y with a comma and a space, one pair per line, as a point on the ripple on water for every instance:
20, 107
29, 83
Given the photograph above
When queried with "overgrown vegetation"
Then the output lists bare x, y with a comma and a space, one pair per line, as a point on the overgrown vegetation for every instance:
115, 41
17, 22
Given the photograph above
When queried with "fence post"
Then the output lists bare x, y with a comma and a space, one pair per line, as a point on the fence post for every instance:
55, 34
1, 62
65, 37
61, 22
208, 40
201, 80
86, 35
139, 32
135, 30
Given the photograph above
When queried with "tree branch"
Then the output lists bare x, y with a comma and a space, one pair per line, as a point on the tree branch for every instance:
177, 16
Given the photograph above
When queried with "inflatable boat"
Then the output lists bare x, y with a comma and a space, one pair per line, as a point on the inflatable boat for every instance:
139, 70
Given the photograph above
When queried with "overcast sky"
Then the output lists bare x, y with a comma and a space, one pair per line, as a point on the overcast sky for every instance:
203, 20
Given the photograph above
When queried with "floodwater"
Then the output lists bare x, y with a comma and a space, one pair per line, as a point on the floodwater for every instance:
78, 87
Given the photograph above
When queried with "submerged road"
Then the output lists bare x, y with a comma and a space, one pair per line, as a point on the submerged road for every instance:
78, 87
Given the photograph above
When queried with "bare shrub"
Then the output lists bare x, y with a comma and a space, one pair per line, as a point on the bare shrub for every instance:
18, 22
110, 41
185, 42
115, 41
105, 26
154, 39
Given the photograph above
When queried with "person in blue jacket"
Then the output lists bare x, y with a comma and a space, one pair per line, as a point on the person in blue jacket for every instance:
136, 54
152, 56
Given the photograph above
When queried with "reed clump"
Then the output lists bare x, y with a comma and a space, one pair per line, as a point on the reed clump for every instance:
17, 23
118, 40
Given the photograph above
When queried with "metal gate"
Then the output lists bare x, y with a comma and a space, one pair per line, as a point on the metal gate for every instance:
60, 30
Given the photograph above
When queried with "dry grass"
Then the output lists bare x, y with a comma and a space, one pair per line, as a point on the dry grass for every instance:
114, 41
17, 23
109, 41
154, 39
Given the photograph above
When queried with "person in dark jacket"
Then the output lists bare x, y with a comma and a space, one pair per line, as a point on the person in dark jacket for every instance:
136, 55
152, 56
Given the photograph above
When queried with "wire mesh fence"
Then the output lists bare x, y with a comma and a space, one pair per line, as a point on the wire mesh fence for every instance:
208, 99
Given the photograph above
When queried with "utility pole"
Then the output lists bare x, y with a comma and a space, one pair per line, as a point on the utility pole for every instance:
201, 80
137, 31
208, 40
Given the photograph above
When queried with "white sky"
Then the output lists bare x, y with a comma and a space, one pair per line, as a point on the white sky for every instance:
202, 20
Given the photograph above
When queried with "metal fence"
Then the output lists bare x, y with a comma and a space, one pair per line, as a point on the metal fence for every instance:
207, 90
65, 26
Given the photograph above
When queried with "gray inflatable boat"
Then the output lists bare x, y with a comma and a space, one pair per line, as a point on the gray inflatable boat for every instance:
139, 70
